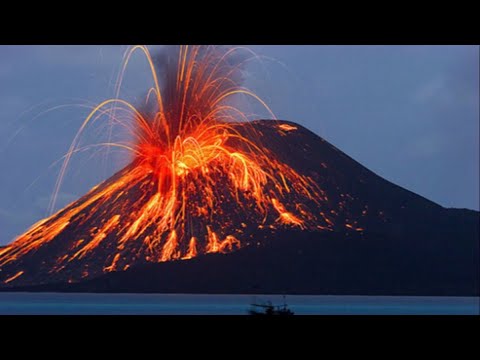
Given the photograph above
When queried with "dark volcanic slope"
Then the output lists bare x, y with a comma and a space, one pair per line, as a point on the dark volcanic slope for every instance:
409, 245
307, 263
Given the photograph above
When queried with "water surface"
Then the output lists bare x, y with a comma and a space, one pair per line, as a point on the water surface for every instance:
183, 304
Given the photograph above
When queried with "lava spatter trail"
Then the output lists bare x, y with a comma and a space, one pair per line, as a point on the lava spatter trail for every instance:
201, 180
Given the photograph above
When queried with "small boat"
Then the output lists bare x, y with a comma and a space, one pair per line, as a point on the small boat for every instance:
268, 309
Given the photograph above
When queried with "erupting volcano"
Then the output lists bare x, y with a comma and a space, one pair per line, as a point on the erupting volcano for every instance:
200, 181
204, 178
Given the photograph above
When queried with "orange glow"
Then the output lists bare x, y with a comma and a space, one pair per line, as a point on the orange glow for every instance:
285, 216
16, 276
192, 249
113, 265
101, 234
192, 158
169, 249
213, 243
229, 244
286, 127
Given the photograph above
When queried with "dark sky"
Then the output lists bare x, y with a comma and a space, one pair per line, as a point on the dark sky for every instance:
408, 113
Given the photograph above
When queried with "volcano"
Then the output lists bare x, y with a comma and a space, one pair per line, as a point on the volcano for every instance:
215, 202
369, 236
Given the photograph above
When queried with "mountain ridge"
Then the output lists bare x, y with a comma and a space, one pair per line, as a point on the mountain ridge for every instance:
428, 241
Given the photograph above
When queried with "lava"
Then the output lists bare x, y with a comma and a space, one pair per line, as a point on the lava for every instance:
16, 276
199, 179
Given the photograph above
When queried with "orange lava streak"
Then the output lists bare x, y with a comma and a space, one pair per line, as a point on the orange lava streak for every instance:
213, 243
170, 248
192, 249
33, 239
102, 234
16, 276
285, 216
113, 265
286, 127
192, 155
229, 244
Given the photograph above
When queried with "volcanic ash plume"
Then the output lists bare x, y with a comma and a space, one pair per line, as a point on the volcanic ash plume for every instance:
201, 179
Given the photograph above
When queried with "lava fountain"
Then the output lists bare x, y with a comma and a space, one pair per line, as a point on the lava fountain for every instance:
200, 180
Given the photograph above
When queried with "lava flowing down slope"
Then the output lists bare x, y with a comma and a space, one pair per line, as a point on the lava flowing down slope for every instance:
202, 180
364, 235
295, 213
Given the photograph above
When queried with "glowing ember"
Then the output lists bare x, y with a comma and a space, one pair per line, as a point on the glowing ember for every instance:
286, 127
199, 181
16, 276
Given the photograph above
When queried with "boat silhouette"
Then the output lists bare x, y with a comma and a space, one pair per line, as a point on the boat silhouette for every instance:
268, 309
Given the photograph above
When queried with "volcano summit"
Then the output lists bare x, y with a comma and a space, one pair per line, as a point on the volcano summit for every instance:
212, 202
369, 237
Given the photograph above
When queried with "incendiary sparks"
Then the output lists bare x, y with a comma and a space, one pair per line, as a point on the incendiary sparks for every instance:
199, 179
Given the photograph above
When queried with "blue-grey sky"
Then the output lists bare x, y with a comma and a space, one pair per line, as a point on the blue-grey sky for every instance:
409, 113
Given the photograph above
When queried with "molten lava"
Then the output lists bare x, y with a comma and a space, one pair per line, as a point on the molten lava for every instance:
200, 181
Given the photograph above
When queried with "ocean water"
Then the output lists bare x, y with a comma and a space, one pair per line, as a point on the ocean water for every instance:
183, 304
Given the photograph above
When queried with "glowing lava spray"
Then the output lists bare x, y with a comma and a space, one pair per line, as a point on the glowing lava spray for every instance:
200, 180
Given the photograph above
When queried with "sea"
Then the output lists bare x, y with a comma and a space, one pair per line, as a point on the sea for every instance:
196, 304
